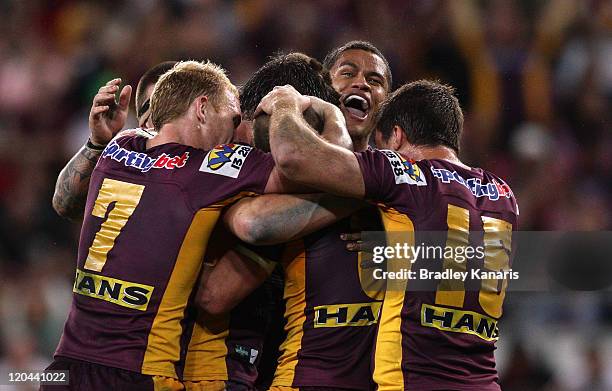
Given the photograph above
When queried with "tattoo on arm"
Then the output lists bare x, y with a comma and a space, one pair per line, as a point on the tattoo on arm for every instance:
72, 184
279, 218
272, 228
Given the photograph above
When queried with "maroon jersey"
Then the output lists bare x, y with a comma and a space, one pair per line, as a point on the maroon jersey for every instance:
442, 337
331, 321
228, 347
148, 217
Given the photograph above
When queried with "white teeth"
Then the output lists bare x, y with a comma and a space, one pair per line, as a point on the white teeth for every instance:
362, 101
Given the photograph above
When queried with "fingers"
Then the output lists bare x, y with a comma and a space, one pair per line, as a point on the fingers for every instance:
282, 95
354, 246
266, 103
357, 243
289, 92
111, 87
106, 93
361, 246
105, 96
351, 236
96, 111
353, 240
124, 97
114, 82
304, 102
263, 108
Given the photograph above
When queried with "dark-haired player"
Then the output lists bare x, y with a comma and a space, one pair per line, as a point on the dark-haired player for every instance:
151, 207
144, 89
307, 75
223, 346
362, 76
443, 338
330, 319
303, 72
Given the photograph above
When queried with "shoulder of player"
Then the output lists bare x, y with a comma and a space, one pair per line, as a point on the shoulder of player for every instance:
135, 132
482, 184
228, 160
504, 189
405, 169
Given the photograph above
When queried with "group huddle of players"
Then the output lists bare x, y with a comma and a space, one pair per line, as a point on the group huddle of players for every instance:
227, 207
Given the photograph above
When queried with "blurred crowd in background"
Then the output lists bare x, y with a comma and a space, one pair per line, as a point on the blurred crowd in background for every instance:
533, 77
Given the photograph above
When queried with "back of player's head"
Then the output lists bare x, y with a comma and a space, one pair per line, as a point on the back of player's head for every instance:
261, 128
332, 57
302, 72
176, 89
149, 78
427, 111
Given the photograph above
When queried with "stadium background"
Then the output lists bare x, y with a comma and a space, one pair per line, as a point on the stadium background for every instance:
534, 79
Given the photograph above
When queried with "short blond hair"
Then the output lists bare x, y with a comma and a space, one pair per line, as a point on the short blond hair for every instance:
177, 88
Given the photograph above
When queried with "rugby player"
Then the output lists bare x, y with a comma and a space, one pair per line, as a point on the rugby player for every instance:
138, 263
331, 320
221, 360
362, 76
229, 280
443, 338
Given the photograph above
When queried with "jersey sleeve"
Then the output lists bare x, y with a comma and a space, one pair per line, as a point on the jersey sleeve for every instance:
384, 172
243, 168
256, 169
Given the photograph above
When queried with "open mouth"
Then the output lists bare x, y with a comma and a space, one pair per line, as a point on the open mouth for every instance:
357, 106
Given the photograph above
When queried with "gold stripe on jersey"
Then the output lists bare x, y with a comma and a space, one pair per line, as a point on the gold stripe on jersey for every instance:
207, 349
294, 261
452, 292
163, 346
388, 373
161, 383
205, 385
498, 245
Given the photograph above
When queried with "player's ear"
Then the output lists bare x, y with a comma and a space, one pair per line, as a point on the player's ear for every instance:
201, 103
398, 137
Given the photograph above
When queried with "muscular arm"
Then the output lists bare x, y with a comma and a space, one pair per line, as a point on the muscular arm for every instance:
305, 158
225, 284
72, 183
106, 118
279, 218
228, 276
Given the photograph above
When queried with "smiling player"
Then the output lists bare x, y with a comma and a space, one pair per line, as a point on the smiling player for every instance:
442, 338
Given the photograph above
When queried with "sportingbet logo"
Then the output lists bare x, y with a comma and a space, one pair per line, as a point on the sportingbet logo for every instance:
225, 159
405, 171
493, 190
142, 161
